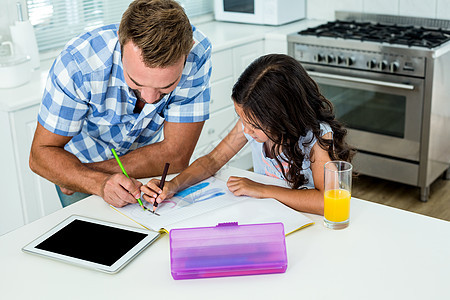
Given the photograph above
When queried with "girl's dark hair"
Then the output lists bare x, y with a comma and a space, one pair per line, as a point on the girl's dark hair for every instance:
278, 97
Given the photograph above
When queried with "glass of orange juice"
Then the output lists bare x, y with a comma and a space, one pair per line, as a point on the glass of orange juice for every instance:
338, 190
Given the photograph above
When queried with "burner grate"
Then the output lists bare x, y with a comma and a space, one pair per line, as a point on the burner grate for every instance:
378, 32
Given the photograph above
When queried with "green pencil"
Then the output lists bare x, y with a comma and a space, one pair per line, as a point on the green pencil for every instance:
125, 173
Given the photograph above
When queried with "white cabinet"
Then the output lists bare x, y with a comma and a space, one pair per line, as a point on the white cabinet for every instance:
25, 196
40, 196
217, 126
227, 65
11, 213
244, 55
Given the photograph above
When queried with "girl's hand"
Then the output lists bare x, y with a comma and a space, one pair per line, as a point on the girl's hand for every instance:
153, 193
241, 186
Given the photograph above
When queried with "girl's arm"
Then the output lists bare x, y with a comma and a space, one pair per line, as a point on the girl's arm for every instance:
202, 168
310, 200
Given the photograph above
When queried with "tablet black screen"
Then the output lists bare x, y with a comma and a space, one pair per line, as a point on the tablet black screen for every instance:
92, 242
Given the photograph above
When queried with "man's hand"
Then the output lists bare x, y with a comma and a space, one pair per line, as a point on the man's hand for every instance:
66, 191
118, 190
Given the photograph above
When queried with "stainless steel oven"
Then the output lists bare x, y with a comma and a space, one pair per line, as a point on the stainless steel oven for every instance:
383, 115
385, 91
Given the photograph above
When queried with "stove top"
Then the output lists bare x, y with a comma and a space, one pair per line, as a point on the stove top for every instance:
379, 32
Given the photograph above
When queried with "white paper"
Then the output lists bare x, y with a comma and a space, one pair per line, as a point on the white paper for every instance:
208, 203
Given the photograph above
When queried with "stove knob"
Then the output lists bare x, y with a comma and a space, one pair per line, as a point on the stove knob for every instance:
372, 63
319, 57
382, 65
393, 67
349, 61
330, 58
340, 59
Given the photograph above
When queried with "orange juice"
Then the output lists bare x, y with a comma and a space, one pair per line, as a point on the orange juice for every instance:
337, 205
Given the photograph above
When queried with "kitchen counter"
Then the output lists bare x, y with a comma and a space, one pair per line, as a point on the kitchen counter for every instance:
223, 35
28, 94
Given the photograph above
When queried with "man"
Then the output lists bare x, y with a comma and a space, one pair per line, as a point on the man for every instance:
141, 87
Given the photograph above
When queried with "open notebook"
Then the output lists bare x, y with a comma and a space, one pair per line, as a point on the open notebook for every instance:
209, 202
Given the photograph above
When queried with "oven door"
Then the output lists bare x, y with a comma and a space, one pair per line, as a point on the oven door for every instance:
382, 112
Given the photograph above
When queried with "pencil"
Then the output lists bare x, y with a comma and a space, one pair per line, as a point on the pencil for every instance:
161, 183
125, 173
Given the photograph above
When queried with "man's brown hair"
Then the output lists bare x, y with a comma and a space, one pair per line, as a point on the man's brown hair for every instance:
160, 28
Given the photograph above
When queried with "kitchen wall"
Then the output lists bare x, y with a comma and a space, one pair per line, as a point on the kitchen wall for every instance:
324, 9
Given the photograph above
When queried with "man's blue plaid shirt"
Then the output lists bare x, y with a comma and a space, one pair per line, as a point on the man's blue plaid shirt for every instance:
86, 97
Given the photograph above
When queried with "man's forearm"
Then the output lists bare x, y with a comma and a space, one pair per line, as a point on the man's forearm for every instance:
148, 161
145, 162
65, 170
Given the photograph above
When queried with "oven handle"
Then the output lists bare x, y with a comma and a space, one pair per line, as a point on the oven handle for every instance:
362, 80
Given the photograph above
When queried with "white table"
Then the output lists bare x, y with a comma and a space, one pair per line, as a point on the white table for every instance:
385, 253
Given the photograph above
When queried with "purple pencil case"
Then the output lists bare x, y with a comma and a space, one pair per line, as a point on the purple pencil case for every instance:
227, 249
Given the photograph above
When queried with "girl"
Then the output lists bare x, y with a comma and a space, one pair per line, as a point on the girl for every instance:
292, 132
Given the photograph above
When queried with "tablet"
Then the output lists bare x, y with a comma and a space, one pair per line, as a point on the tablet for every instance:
92, 243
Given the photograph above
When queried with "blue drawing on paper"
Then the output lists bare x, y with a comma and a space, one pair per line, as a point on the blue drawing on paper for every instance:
205, 195
194, 194
209, 197
192, 189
